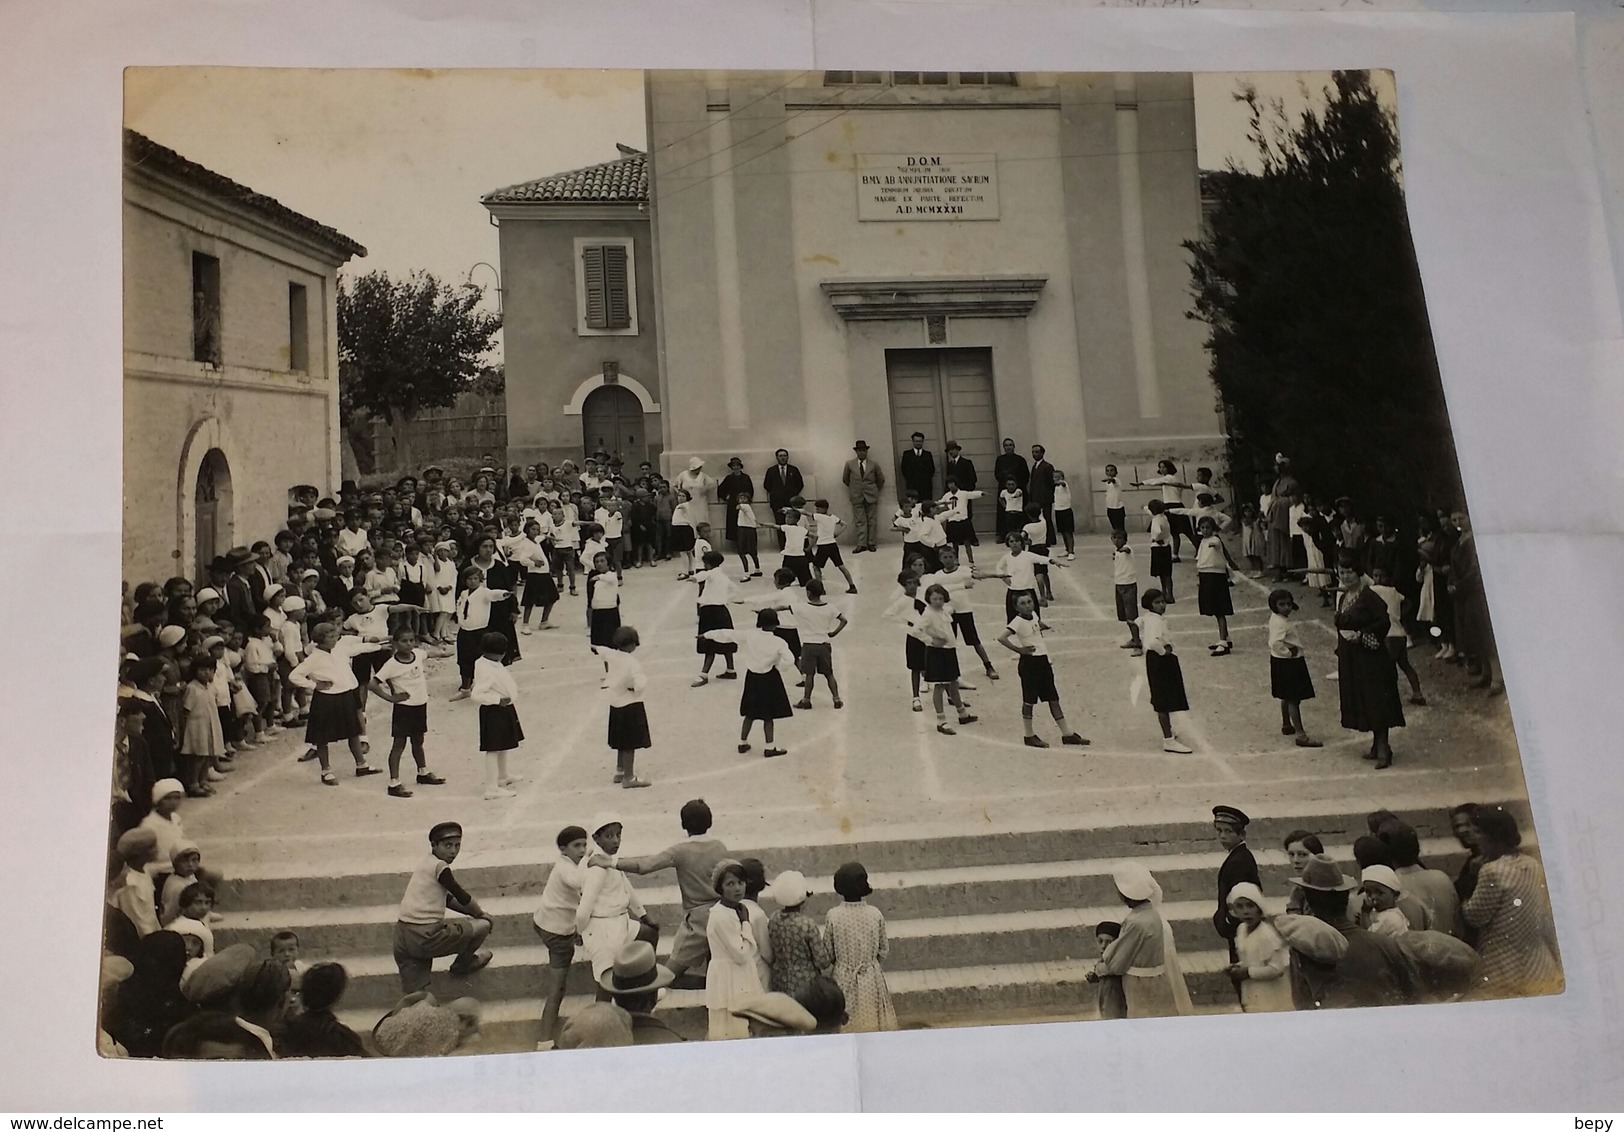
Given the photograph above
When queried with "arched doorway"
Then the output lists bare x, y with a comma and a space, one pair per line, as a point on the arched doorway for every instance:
612, 419
212, 500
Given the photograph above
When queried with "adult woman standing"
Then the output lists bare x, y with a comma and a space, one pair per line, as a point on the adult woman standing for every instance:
1511, 911
1143, 955
1366, 677
500, 574
737, 934
1283, 496
735, 484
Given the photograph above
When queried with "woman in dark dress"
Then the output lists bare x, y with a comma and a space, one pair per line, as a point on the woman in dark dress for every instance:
500, 574
733, 485
1367, 679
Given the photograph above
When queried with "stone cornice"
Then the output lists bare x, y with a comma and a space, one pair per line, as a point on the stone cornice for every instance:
969, 296
568, 210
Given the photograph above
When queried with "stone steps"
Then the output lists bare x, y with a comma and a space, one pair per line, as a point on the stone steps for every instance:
525, 872
1054, 990
916, 904
991, 926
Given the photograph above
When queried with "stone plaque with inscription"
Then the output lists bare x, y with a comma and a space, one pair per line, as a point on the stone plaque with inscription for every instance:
927, 186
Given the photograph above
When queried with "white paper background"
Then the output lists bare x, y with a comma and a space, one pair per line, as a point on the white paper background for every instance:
1506, 204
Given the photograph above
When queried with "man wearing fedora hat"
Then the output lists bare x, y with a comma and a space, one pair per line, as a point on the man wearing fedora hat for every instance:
634, 984
864, 480
1239, 867
1374, 971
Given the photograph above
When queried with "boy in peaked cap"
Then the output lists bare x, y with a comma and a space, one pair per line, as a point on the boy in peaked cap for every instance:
422, 931
1230, 824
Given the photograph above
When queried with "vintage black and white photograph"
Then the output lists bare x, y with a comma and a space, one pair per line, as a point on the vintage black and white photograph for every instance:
633, 557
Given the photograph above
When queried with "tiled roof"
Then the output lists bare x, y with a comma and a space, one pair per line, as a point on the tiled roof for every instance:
624, 180
142, 151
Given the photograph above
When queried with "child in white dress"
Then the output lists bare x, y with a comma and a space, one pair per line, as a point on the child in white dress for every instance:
1265, 960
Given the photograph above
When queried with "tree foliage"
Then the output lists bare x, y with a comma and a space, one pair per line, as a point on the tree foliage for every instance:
1307, 279
405, 345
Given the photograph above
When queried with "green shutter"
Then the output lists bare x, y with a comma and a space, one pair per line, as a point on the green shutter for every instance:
592, 265
615, 287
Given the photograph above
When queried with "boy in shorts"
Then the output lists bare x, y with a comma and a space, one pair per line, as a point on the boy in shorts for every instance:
422, 931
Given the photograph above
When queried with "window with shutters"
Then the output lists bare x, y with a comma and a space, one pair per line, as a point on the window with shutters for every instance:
605, 286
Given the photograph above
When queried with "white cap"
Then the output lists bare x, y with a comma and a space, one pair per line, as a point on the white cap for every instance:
1382, 875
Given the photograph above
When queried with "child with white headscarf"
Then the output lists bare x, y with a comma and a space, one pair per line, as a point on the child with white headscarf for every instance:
1265, 960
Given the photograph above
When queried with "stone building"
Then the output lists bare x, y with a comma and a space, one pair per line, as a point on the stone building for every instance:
230, 361
578, 336
849, 255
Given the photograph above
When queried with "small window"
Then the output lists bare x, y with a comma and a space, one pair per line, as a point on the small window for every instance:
605, 288
206, 309
986, 78
298, 329
604, 269
921, 78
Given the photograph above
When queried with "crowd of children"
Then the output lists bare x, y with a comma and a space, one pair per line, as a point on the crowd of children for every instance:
359, 591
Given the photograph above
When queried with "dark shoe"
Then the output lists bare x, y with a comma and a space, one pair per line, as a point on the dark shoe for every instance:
620, 776
399, 792
743, 747
1287, 729
309, 755
328, 778
1418, 700
1034, 741
963, 719
365, 771
1305, 741
1369, 756
1074, 740
839, 704
430, 780
1385, 761
728, 675
803, 705
991, 675
773, 752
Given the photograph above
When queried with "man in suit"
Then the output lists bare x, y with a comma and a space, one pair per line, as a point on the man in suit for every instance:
1011, 465
918, 469
782, 483
1239, 866
958, 469
1040, 489
240, 605
863, 480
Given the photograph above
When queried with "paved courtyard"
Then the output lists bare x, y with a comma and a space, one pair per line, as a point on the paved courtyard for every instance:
875, 769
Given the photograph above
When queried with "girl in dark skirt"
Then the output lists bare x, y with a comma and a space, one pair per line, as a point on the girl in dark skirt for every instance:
941, 658
763, 697
1212, 566
1289, 681
1366, 677
628, 719
908, 609
335, 715
473, 619
603, 602
539, 587
715, 588
1161, 549
1162, 671
499, 730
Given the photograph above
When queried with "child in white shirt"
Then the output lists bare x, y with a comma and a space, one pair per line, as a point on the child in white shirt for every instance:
494, 691
827, 549
334, 706
716, 589
628, 718
1162, 671
1018, 569
959, 580
748, 554
1398, 642
1161, 548
908, 609
1115, 513
1065, 523
1023, 637
1289, 679
1011, 510
402, 679
796, 537
1036, 531
1125, 581
1212, 566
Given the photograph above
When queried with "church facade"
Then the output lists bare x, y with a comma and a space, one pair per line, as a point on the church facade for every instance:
842, 256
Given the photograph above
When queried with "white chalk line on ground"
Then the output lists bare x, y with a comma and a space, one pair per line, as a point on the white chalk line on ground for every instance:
1189, 722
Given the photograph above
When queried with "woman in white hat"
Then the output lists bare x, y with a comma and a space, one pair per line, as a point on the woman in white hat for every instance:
1143, 955
800, 950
